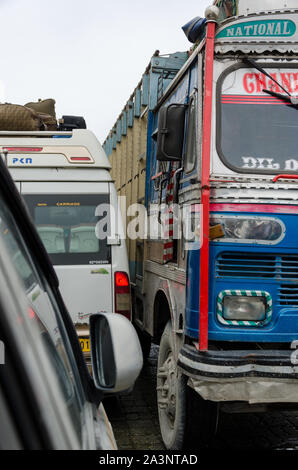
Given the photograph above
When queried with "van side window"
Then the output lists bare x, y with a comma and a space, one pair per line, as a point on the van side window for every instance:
191, 143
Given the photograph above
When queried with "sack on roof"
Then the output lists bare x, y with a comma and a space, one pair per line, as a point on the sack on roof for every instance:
45, 109
14, 117
48, 122
43, 106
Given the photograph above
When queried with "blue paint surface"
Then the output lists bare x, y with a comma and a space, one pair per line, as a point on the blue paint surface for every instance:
278, 269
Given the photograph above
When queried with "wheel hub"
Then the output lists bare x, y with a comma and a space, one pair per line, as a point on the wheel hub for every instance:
167, 388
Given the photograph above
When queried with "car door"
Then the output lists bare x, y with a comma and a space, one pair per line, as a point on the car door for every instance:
34, 345
39, 338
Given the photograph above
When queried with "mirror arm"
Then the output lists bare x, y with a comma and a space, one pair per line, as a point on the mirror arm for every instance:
163, 181
179, 170
176, 177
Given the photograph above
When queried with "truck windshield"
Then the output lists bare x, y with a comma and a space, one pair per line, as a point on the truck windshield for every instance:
257, 131
73, 228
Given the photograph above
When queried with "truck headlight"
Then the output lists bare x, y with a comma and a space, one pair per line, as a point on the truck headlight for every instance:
264, 230
244, 308
247, 308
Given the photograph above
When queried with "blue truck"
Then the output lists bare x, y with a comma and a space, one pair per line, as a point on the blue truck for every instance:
204, 156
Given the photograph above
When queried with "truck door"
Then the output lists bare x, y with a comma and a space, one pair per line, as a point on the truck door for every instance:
66, 217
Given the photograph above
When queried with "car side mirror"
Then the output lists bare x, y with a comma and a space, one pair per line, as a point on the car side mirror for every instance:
170, 134
116, 353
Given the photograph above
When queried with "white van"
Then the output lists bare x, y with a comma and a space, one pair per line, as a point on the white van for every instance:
64, 178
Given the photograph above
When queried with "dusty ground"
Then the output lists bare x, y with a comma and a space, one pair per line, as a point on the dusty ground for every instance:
135, 421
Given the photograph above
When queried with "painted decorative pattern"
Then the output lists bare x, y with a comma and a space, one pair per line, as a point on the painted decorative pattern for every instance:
246, 293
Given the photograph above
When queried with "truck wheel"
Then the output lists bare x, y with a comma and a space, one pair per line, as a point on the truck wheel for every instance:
171, 394
186, 420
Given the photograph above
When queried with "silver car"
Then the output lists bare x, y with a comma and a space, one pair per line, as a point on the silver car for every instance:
48, 400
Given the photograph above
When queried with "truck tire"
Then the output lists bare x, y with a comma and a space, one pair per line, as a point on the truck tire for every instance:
186, 420
171, 394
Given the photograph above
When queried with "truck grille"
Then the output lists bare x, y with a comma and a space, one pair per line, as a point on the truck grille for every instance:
246, 265
289, 267
288, 295
283, 269
257, 265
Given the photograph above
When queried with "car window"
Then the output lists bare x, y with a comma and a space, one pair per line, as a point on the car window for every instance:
58, 356
18, 255
45, 319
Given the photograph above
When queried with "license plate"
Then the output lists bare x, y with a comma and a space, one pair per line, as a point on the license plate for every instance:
85, 344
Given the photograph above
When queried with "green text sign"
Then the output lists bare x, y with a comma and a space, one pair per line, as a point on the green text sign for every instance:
265, 28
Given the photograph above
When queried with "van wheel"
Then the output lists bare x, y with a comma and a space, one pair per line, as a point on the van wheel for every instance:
145, 342
186, 420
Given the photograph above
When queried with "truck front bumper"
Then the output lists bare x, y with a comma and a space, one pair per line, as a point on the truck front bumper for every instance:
259, 376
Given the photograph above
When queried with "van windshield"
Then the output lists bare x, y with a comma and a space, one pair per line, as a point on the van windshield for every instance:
257, 132
73, 228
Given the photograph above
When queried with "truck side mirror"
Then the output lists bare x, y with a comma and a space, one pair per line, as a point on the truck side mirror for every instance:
170, 135
116, 353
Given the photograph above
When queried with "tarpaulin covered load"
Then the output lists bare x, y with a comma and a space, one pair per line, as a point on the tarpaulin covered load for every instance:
43, 106
31, 117
45, 110
14, 117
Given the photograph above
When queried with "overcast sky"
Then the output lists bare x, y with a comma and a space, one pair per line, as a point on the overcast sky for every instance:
87, 54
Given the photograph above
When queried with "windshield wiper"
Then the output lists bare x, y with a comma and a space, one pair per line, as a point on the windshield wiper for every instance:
293, 100
286, 98
252, 63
